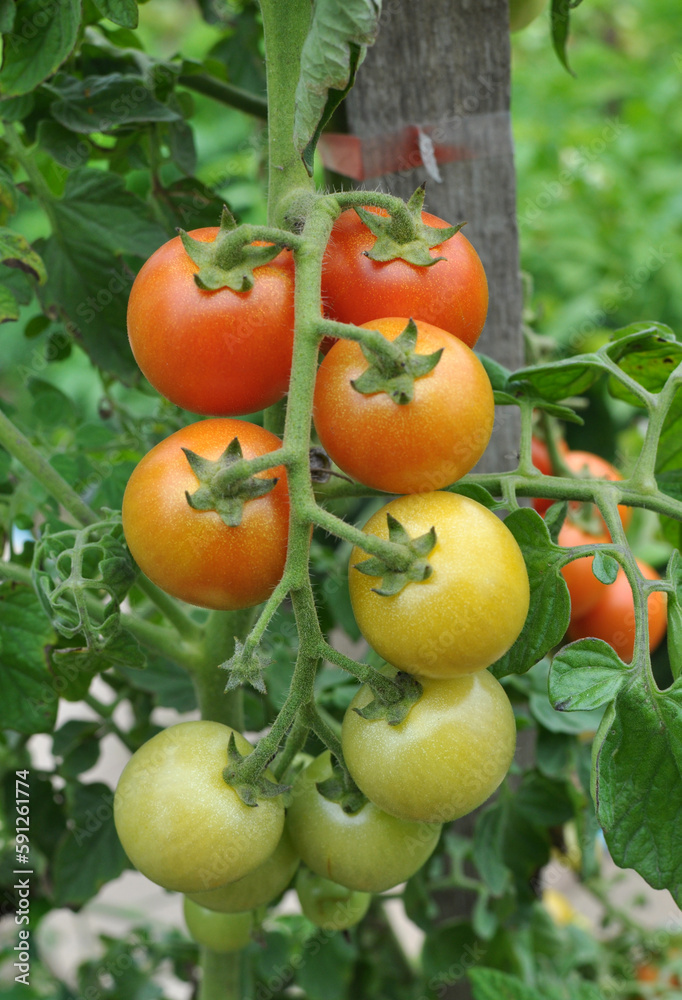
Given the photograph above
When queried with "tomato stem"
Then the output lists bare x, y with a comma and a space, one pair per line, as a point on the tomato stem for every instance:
220, 975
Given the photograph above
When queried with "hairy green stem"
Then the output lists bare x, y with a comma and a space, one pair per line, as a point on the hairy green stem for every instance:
215, 704
381, 685
285, 33
293, 745
220, 975
226, 93
170, 608
396, 556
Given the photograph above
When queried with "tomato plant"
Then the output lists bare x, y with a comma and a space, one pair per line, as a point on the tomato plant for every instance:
180, 824
424, 444
440, 627
586, 464
219, 352
328, 905
612, 618
259, 887
221, 932
190, 551
366, 850
584, 587
445, 759
451, 294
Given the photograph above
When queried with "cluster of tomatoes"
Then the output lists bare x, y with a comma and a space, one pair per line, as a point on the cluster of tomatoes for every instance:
600, 610
200, 538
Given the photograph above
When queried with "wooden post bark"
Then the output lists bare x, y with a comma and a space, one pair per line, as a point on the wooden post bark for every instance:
433, 98
439, 77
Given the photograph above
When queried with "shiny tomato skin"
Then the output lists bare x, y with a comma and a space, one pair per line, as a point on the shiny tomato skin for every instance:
177, 819
613, 617
221, 932
451, 294
329, 905
468, 612
193, 554
220, 353
368, 851
444, 759
422, 445
583, 586
259, 887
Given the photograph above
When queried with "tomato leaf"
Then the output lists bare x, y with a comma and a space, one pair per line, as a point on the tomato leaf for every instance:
637, 780
40, 41
95, 222
122, 12
491, 984
605, 567
9, 307
549, 609
585, 675
105, 103
28, 701
674, 573
16, 251
89, 854
339, 33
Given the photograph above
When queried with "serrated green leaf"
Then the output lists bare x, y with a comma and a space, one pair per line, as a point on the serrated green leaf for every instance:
339, 32
89, 853
491, 984
637, 781
549, 609
555, 517
477, 493
9, 307
28, 700
16, 251
122, 12
543, 801
41, 40
105, 103
585, 675
96, 221
560, 379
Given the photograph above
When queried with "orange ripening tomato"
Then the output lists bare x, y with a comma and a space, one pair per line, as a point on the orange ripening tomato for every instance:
193, 554
586, 465
613, 617
583, 586
221, 353
414, 447
451, 294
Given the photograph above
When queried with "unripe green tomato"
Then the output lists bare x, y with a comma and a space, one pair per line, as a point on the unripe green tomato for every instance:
257, 889
522, 12
178, 820
444, 759
222, 932
468, 612
369, 850
329, 905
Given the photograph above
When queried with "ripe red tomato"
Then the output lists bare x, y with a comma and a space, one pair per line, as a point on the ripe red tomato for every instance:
452, 294
193, 554
422, 445
222, 353
613, 617
542, 462
585, 589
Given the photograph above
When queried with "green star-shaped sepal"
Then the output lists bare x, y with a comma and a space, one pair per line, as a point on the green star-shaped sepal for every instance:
393, 581
249, 793
395, 372
341, 788
394, 712
227, 499
404, 236
229, 261
246, 668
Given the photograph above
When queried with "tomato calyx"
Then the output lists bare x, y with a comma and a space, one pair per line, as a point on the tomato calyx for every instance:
394, 579
341, 788
229, 261
394, 372
246, 666
249, 791
402, 234
220, 492
408, 691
